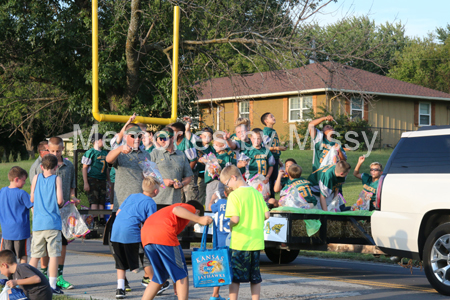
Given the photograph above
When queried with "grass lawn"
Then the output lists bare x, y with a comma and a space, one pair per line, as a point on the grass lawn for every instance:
352, 186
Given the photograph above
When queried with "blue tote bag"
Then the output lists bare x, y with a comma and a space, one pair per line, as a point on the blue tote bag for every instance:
211, 267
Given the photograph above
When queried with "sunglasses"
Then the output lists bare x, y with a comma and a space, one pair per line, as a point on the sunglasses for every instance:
375, 170
163, 138
136, 136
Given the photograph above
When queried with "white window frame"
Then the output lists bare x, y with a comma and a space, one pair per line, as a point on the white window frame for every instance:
419, 114
357, 109
300, 110
242, 113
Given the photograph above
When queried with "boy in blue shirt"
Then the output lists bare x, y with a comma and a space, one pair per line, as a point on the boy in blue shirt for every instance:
15, 207
47, 196
223, 229
126, 231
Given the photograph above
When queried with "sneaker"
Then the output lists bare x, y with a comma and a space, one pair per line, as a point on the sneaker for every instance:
120, 294
164, 287
127, 286
57, 291
217, 298
145, 281
65, 285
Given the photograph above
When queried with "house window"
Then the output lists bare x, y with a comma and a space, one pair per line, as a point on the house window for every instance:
244, 109
299, 108
357, 108
424, 114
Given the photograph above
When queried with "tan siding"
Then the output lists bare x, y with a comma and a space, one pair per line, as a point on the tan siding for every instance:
442, 113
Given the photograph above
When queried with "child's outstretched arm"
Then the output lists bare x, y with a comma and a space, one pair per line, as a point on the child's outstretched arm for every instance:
185, 214
312, 125
358, 166
187, 127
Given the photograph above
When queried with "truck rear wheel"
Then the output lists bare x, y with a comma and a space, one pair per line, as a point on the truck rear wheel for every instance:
436, 258
279, 256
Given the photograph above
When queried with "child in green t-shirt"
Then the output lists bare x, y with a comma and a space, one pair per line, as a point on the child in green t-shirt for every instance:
247, 211
95, 173
370, 182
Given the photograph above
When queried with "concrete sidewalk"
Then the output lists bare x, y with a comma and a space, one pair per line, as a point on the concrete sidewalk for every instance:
93, 275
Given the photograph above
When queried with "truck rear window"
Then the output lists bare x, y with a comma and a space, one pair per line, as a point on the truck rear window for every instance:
429, 154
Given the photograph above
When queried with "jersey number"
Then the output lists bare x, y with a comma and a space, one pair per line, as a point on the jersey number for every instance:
262, 167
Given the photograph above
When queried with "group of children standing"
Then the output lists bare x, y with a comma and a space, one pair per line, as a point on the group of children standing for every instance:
241, 209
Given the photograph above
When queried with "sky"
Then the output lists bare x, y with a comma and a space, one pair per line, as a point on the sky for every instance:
419, 17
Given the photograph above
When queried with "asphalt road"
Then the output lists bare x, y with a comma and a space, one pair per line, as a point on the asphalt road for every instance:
91, 268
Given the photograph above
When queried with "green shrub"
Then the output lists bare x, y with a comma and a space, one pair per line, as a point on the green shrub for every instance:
19, 156
11, 157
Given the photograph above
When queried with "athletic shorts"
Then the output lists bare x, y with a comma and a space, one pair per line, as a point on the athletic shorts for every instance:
20, 248
126, 256
167, 261
97, 191
64, 240
46, 242
245, 266
17, 294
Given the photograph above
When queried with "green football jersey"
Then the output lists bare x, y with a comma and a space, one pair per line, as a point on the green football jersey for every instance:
321, 148
96, 160
187, 148
304, 187
370, 186
260, 161
324, 181
270, 139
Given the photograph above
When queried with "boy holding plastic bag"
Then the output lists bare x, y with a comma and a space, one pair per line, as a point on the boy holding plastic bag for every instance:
326, 181
370, 182
305, 198
261, 164
33, 284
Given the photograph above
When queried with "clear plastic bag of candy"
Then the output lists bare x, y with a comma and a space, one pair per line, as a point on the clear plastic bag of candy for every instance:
73, 224
331, 158
257, 182
290, 197
212, 166
336, 203
363, 202
243, 157
150, 168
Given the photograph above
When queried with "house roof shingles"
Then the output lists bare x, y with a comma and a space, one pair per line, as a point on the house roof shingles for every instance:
327, 75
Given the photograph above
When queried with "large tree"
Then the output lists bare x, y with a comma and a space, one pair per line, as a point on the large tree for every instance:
49, 43
424, 62
356, 41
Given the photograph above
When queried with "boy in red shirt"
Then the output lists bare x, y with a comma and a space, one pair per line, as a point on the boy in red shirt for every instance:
163, 249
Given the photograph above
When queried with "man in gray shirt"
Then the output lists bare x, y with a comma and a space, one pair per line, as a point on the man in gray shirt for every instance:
173, 166
125, 159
